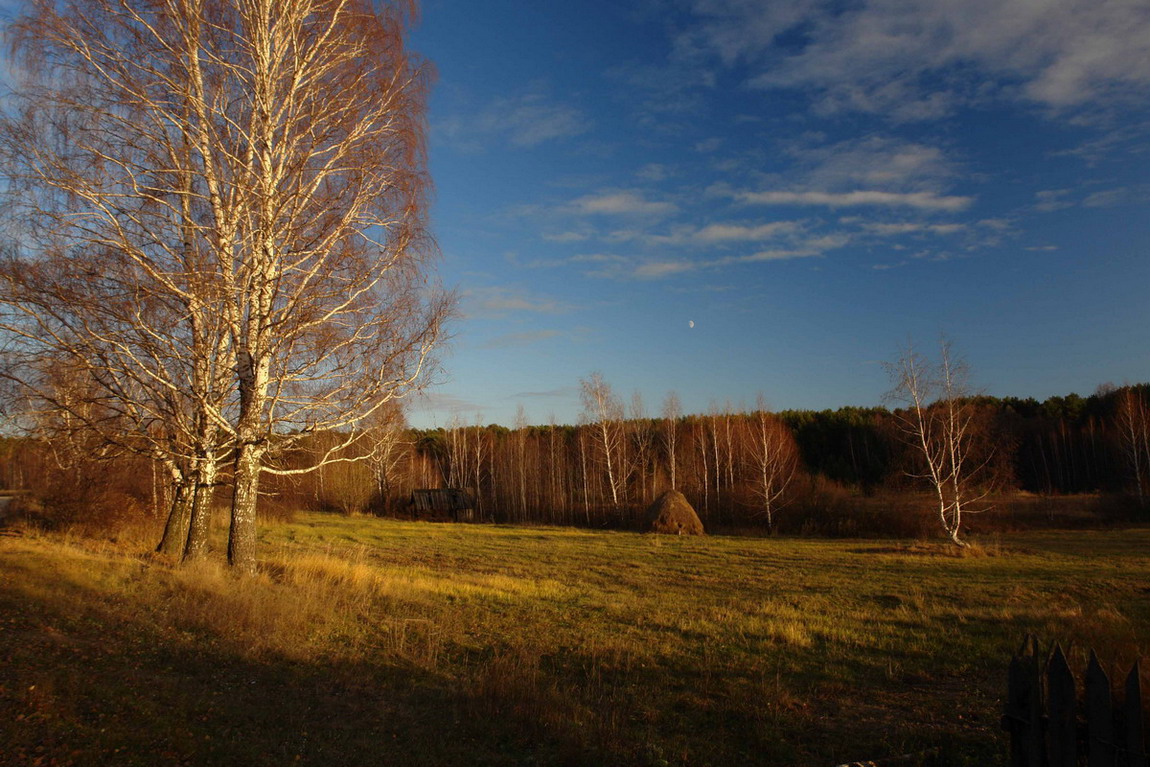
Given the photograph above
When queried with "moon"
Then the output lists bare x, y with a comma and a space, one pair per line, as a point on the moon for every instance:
690, 323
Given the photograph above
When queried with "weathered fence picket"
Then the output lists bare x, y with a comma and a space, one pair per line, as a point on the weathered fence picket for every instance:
1047, 726
1132, 714
1099, 715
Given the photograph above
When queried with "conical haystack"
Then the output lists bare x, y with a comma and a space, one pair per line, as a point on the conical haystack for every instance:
671, 513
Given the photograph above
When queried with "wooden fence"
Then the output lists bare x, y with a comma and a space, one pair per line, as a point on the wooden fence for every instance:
1048, 727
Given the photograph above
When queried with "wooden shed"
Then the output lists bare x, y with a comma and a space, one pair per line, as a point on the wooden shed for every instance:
443, 503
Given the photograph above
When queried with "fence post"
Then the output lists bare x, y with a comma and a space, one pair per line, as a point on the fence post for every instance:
1042, 714
1061, 735
1132, 720
1023, 715
1099, 716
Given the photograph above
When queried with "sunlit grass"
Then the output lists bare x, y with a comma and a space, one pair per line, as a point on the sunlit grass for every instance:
547, 645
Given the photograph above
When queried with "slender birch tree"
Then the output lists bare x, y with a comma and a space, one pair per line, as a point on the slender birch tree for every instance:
604, 412
111, 280
774, 459
939, 421
257, 167
672, 412
1133, 422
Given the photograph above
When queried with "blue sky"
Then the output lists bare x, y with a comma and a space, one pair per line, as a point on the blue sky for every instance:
812, 184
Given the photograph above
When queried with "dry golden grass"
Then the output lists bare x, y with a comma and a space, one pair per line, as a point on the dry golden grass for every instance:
366, 641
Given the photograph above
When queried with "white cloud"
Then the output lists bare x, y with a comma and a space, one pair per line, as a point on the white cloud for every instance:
707, 146
915, 59
874, 171
654, 172
525, 121
653, 270
1051, 200
1123, 195
597, 258
501, 301
526, 338
726, 232
875, 162
996, 224
566, 237
1127, 137
917, 200
659, 269
564, 392
712, 234
659, 94
894, 230
436, 403
827, 242
617, 267
816, 249
621, 203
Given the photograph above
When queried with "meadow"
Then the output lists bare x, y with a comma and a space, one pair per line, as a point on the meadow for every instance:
367, 641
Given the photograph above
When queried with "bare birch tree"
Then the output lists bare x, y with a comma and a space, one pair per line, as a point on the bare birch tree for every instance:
111, 279
672, 412
279, 145
386, 431
774, 459
643, 441
604, 412
939, 421
1133, 421
520, 436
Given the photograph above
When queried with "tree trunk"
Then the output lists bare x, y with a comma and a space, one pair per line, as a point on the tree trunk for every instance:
956, 540
242, 535
197, 545
179, 519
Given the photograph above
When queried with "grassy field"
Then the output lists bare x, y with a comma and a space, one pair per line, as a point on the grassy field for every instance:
369, 641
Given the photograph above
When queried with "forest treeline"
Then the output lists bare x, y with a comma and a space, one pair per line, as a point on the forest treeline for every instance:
838, 471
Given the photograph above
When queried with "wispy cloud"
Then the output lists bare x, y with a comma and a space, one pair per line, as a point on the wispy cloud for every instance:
617, 267
719, 233
621, 203
658, 269
1051, 200
654, 172
898, 187
563, 392
491, 302
565, 236
525, 121
874, 171
1123, 195
919, 59
873, 162
728, 232
653, 270
1128, 136
657, 94
706, 146
894, 230
517, 340
919, 200
442, 403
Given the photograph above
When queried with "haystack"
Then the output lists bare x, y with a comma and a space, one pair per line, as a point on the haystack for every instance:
672, 513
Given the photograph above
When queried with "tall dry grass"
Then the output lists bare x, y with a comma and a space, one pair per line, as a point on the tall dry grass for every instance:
628, 647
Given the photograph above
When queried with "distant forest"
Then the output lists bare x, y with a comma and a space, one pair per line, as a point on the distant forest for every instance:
839, 472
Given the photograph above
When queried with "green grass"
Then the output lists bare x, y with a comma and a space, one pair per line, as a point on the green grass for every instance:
369, 641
